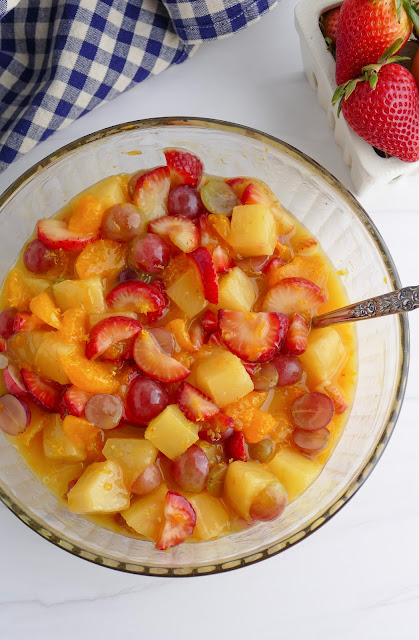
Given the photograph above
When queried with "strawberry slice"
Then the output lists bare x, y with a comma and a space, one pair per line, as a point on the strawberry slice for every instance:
74, 400
253, 194
272, 267
45, 393
235, 447
239, 185
185, 168
215, 338
3, 345
222, 260
294, 295
197, 334
179, 521
297, 337
335, 395
195, 405
13, 382
204, 263
25, 321
254, 337
55, 235
181, 231
151, 192
150, 358
137, 296
217, 429
251, 367
109, 332
210, 321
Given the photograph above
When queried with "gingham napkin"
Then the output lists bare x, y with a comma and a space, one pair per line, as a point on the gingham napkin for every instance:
61, 58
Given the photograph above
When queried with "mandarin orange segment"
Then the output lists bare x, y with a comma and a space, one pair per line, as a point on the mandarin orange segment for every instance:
252, 400
17, 293
102, 258
311, 268
283, 428
284, 251
44, 307
74, 326
86, 217
221, 224
181, 332
255, 424
83, 433
92, 377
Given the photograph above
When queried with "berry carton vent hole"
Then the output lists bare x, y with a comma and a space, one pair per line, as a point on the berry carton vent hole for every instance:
369, 167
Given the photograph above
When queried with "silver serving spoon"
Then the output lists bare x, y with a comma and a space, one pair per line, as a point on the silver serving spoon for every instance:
405, 299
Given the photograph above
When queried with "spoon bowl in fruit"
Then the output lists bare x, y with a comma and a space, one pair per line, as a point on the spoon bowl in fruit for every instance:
359, 255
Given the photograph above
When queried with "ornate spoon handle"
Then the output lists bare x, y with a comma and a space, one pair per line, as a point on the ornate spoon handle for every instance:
405, 299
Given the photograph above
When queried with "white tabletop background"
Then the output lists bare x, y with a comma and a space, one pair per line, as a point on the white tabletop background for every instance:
357, 577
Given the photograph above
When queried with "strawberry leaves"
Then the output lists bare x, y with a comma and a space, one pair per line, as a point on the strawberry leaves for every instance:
412, 9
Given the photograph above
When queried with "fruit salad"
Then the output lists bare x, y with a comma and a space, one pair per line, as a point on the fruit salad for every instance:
160, 374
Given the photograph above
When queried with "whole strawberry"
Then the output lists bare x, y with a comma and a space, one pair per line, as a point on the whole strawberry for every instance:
366, 29
329, 27
383, 108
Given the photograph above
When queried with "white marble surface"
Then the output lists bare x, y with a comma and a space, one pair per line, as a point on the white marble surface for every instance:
357, 577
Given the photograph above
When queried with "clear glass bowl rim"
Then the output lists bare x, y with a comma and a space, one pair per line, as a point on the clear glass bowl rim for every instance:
388, 428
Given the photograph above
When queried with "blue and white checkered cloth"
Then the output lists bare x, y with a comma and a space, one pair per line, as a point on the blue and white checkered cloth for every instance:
61, 58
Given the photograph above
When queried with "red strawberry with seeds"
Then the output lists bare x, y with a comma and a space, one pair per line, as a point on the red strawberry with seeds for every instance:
110, 331
181, 231
3, 345
45, 393
55, 235
253, 194
296, 340
136, 296
383, 109
294, 295
215, 338
13, 382
25, 321
154, 362
329, 26
151, 193
335, 395
197, 334
74, 400
206, 269
366, 29
235, 447
179, 521
251, 367
239, 185
253, 337
210, 321
185, 168
222, 260
217, 429
195, 405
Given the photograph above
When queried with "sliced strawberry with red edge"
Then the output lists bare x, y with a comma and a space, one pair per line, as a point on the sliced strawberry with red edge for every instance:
151, 192
181, 231
294, 295
215, 338
74, 400
195, 405
273, 265
217, 429
137, 296
254, 337
296, 340
204, 264
25, 321
235, 447
210, 321
253, 194
208, 238
185, 168
335, 395
45, 393
179, 521
251, 367
222, 260
54, 234
239, 185
13, 382
3, 345
197, 334
110, 331
154, 362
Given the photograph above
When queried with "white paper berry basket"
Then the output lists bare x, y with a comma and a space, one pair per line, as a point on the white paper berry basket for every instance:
368, 169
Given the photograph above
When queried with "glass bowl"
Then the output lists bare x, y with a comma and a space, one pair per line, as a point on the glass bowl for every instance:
353, 244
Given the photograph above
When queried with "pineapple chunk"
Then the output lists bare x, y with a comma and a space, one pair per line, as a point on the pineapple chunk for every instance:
108, 191
132, 454
243, 482
171, 432
223, 377
145, 514
47, 360
325, 354
87, 294
188, 294
212, 518
294, 471
253, 230
58, 445
94, 318
99, 490
236, 291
